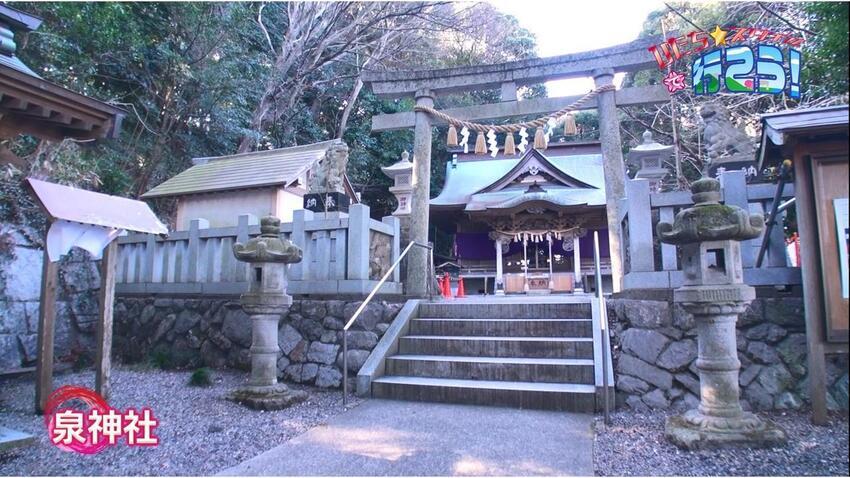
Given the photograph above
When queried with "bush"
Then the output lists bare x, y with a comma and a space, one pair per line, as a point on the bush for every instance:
161, 359
200, 378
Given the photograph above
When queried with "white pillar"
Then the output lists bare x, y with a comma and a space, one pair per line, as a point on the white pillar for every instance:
499, 286
579, 286
551, 279
525, 264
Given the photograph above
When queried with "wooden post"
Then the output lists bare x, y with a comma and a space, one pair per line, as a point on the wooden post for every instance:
418, 275
103, 360
46, 327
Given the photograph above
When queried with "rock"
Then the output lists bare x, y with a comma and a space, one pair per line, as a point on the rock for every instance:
682, 320
335, 308
13, 318
648, 314
333, 323
390, 311
368, 319
293, 373
740, 341
672, 332
239, 358
758, 397
329, 337
381, 329
675, 393
793, 353
656, 400
632, 385
328, 377
193, 341
185, 321
308, 372
775, 379
770, 333
691, 401
753, 314
749, 374
23, 275
635, 403
762, 353
164, 327
839, 391
359, 339
689, 382
29, 348
309, 328
785, 311
219, 339
147, 314
787, 401
9, 355
288, 338
322, 353
646, 372
356, 359
299, 353
163, 302
643, 343
237, 327
211, 355
85, 303
313, 309
678, 355
282, 363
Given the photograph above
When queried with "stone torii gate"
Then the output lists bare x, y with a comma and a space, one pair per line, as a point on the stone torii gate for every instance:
424, 85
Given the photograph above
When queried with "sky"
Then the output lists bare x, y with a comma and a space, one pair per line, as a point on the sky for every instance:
565, 27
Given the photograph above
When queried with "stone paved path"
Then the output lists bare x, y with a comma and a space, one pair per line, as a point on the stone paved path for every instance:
385, 437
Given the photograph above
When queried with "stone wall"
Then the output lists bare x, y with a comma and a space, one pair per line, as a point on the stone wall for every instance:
21, 257
655, 351
217, 333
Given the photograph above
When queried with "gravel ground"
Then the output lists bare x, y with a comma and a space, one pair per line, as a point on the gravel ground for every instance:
634, 445
200, 432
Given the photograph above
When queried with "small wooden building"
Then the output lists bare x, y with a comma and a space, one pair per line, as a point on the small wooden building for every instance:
260, 183
816, 140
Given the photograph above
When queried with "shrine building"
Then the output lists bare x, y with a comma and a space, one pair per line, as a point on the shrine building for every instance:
523, 224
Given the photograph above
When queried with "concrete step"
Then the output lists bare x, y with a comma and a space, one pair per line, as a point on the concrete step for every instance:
510, 369
507, 310
542, 347
548, 396
502, 327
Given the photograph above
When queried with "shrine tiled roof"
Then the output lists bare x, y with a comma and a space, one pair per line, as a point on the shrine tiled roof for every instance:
466, 182
280, 166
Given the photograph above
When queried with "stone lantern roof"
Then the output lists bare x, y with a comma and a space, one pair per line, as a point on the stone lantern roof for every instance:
403, 166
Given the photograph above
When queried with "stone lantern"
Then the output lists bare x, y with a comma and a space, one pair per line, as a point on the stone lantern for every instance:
401, 174
650, 157
268, 256
709, 235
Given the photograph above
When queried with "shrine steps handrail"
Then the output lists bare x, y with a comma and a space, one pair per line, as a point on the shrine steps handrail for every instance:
603, 325
374, 291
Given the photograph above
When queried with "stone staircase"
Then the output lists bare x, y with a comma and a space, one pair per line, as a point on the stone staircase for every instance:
519, 352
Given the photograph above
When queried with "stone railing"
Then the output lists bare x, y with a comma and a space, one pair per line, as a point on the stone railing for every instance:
342, 255
650, 264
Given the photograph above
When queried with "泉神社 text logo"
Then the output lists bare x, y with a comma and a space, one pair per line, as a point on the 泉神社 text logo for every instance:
90, 431
735, 59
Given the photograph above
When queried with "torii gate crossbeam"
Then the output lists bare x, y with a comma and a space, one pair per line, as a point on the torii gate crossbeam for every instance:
425, 85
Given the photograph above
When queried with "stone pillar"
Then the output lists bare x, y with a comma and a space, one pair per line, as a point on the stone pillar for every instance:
499, 286
417, 264
268, 256
708, 235
614, 168
578, 286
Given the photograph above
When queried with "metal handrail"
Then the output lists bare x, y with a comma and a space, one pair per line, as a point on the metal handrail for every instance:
369, 298
603, 324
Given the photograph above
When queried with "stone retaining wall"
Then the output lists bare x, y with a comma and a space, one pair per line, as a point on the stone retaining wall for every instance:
21, 258
217, 333
655, 351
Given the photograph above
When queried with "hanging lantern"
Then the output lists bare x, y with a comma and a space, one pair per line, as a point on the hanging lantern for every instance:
451, 140
570, 125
